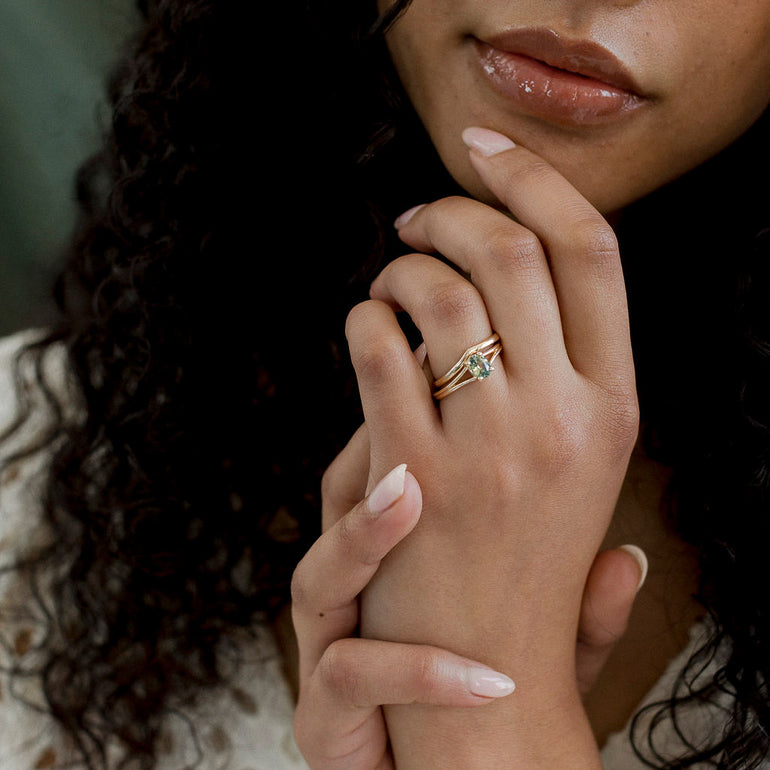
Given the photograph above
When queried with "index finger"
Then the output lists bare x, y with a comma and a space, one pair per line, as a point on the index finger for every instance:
339, 565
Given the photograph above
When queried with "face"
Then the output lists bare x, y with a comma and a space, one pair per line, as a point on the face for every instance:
621, 96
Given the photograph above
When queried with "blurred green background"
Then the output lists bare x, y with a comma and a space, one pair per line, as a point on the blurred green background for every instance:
55, 57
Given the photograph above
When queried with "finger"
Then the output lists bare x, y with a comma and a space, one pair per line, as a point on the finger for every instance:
356, 676
508, 266
581, 247
339, 565
395, 397
446, 308
346, 480
611, 588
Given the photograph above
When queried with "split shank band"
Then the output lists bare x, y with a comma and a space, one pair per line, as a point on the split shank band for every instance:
475, 364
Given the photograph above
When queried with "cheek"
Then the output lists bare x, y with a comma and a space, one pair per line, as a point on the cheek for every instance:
724, 89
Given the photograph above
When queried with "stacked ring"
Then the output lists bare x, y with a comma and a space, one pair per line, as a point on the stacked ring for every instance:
474, 365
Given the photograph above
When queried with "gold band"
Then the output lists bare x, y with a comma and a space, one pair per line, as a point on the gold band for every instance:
474, 364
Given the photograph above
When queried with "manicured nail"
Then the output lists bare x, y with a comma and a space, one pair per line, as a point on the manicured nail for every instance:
388, 490
421, 353
486, 142
488, 683
641, 560
406, 216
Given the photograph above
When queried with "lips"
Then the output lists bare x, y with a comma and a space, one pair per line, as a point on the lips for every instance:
574, 82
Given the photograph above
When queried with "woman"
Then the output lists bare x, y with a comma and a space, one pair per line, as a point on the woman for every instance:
600, 93
182, 491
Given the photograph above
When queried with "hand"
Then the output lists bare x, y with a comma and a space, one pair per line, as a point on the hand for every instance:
520, 473
344, 680
338, 721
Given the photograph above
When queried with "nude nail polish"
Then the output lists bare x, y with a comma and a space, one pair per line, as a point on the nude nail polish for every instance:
388, 490
406, 216
486, 142
488, 683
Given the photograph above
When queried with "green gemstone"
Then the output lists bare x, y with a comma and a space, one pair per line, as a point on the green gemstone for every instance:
479, 366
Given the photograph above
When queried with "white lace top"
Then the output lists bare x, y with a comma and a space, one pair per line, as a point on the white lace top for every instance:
243, 727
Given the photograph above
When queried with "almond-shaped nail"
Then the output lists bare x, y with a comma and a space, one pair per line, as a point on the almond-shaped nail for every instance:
406, 216
388, 490
485, 141
641, 560
487, 683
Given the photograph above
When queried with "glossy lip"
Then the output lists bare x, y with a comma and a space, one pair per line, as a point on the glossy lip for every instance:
559, 79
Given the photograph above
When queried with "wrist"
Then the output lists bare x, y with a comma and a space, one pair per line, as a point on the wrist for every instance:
533, 728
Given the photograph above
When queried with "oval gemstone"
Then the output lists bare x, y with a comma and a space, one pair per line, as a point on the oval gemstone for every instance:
479, 366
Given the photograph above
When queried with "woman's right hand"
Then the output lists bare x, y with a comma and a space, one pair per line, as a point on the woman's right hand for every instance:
344, 679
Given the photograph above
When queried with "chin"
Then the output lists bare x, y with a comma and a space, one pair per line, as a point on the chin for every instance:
599, 192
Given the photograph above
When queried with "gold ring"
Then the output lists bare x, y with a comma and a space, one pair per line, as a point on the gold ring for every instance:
474, 365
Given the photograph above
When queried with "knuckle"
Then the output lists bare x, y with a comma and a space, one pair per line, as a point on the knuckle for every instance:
378, 361
354, 543
452, 303
594, 240
623, 416
347, 535
564, 442
338, 673
424, 675
515, 253
565, 434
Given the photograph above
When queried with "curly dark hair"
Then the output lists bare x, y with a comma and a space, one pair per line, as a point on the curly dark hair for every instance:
183, 498
697, 261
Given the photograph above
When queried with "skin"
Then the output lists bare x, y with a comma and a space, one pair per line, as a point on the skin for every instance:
703, 64
343, 680
521, 514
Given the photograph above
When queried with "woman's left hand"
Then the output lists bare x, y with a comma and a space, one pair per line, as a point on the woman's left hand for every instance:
520, 473
343, 680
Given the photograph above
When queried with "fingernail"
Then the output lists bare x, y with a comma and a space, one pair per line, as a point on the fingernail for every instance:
421, 353
406, 216
488, 683
485, 141
641, 560
388, 490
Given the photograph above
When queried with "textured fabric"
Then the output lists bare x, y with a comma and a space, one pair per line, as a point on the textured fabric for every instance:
242, 727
